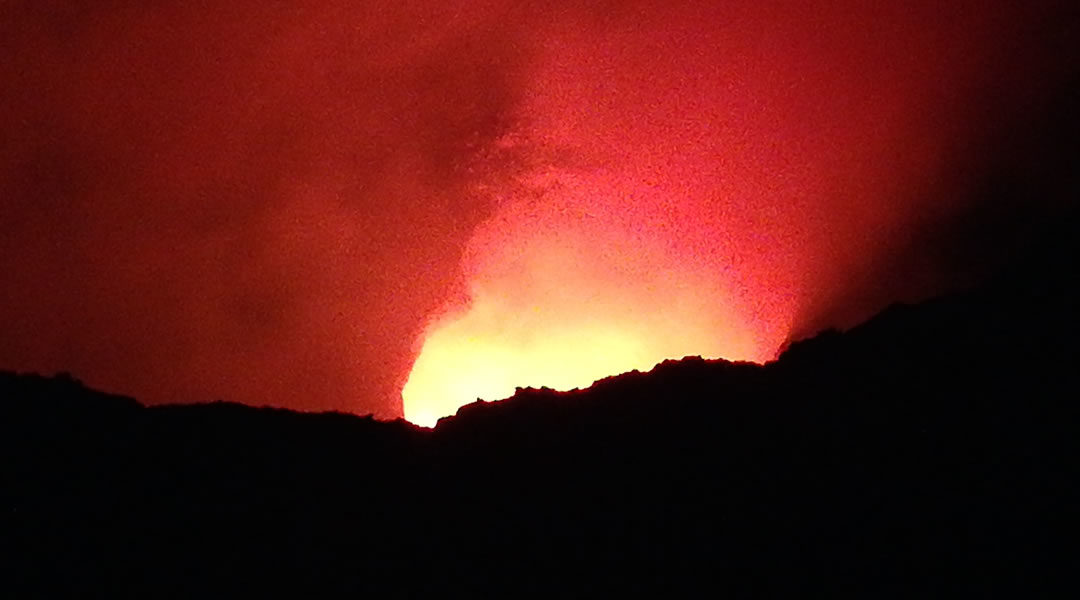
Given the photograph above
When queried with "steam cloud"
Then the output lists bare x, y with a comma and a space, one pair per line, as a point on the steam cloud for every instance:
269, 202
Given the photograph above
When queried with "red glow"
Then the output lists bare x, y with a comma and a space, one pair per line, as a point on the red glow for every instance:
568, 291
294, 203
692, 186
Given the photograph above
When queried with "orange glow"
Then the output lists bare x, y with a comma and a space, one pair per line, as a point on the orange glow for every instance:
285, 191
490, 350
684, 189
562, 296
470, 359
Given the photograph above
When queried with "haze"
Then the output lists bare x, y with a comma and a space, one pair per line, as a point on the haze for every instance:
291, 204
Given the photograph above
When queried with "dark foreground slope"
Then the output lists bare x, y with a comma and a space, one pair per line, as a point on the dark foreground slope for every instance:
933, 449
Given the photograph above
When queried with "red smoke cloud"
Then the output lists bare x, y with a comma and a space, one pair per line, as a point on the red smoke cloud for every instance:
270, 202
711, 178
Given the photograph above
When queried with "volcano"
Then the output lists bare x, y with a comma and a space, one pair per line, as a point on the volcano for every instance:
928, 450
635, 297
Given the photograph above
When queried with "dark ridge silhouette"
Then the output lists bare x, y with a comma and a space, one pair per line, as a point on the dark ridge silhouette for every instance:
931, 450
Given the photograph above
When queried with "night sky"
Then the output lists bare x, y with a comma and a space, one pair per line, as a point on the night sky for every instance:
291, 203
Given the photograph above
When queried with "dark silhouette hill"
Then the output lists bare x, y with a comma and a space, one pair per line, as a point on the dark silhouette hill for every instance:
931, 450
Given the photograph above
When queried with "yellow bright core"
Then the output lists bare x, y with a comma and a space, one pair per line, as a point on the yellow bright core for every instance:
490, 350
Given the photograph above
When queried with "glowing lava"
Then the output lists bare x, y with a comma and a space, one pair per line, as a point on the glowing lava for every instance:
566, 294
492, 348
707, 179
487, 353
